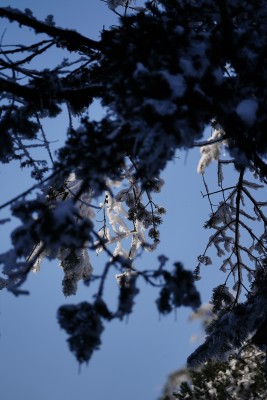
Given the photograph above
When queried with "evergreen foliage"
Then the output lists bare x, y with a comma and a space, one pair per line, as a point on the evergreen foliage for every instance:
167, 71
239, 378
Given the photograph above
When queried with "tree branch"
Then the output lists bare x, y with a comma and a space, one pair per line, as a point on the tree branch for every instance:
23, 194
209, 142
70, 39
33, 95
237, 233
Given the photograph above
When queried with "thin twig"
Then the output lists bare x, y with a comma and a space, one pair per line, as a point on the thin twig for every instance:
23, 194
46, 142
207, 193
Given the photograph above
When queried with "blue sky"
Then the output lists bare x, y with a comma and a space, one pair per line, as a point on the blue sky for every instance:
135, 357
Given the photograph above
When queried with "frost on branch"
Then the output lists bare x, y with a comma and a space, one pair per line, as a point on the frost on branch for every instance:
241, 377
231, 330
239, 228
52, 227
240, 225
130, 214
210, 152
73, 259
161, 75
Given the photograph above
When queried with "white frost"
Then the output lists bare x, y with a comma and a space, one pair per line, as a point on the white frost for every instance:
210, 152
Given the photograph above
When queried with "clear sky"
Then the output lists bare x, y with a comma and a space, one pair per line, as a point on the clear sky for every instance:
135, 357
